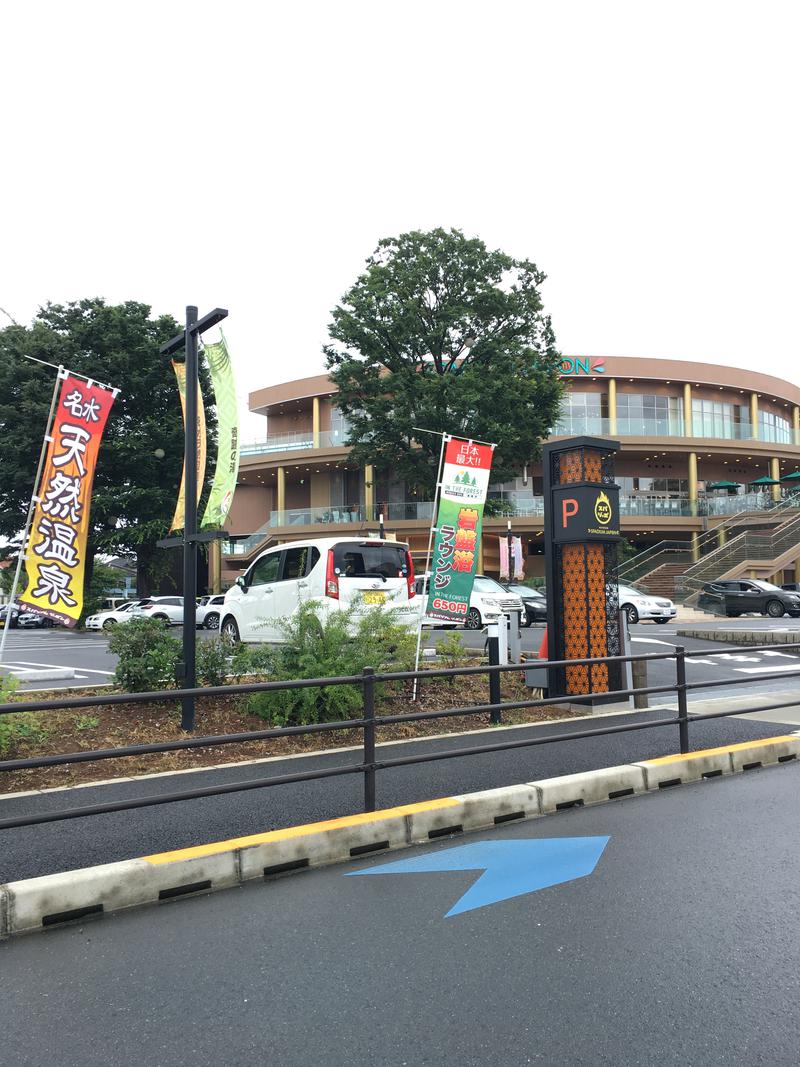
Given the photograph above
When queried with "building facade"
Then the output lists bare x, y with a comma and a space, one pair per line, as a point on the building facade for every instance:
695, 437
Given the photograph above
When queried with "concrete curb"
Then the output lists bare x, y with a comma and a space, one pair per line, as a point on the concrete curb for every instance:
52, 900
743, 637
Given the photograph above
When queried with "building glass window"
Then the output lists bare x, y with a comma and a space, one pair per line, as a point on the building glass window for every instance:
340, 426
718, 418
583, 413
773, 427
650, 415
653, 485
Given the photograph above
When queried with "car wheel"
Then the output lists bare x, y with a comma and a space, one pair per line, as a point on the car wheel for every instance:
230, 631
212, 620
473, 621
775, 609
661, 621
161, 618
631, 613
109, 624
733, 614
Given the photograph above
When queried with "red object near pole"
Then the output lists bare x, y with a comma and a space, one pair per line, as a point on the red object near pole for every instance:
543, 646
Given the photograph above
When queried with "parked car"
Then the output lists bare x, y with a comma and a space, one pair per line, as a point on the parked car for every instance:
107, 620
535, 604
209, 612
167, 608
734, 597
639, 605
488, 603
335, 571
31, 620
15, 614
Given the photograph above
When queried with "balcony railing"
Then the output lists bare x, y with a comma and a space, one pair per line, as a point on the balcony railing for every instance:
297, 441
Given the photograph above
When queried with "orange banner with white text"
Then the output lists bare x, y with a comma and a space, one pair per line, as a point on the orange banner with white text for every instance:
56, 552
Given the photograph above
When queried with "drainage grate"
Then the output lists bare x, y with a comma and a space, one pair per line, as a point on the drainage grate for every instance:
509, 818
751, 766
184, 890
786, 759
569, 804
712, 774
445, 831
71, 915
362, 850
669, 782
620, 793
281, 868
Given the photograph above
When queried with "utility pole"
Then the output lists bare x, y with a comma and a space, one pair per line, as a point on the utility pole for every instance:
187, 340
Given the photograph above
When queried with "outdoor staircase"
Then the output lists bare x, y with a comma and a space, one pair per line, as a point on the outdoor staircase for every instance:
755, 555
662, 565
661, 581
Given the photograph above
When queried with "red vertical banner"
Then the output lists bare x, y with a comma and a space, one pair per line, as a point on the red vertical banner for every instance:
56, 551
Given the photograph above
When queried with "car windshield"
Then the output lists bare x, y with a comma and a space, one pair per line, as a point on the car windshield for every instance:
629, 590
488, 585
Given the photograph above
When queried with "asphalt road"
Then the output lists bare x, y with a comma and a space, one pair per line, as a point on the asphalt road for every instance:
82, 842
679, 948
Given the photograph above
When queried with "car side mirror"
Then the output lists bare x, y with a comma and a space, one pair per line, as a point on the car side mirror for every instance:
242, 583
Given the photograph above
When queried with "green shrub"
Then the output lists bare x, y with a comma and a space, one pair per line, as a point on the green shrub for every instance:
212, 662
148, 655
249, 660
450, 650
339, 644
15, 728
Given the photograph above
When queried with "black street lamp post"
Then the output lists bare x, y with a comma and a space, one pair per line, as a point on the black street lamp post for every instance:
187, 340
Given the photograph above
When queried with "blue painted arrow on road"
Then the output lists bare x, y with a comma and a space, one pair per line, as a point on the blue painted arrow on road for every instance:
510, 868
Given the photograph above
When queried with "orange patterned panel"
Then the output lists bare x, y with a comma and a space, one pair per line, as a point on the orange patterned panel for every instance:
573, 569
592, 465
596, 599
571, 466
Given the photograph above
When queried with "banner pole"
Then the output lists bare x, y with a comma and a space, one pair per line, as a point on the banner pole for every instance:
445, 438
31, 506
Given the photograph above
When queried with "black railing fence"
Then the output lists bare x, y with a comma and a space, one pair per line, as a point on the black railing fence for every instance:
370, 723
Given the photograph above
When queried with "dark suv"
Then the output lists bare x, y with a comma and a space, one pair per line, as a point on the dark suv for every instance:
535, 603
735, 597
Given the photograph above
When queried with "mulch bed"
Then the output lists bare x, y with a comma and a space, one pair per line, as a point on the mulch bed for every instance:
113, 726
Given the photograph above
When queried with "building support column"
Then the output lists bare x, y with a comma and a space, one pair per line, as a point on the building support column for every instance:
687, 410
315, 421
722, 536
215, 566
754, 416
480, 555
692, 483
775, 472
369, 492
281, 493
695, 546
797, 569
612, 406
796, 425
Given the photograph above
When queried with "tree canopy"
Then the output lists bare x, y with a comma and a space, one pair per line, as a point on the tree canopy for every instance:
443, 334
134, 489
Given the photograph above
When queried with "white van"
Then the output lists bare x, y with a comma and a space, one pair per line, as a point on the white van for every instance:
332, 570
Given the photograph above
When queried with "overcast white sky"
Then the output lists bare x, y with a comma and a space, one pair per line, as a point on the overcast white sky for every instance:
250, 155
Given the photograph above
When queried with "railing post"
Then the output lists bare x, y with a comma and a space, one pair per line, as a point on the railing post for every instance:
368, 686
496, 716
683, 709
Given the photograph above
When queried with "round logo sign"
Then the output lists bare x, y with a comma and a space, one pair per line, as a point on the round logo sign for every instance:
602, 509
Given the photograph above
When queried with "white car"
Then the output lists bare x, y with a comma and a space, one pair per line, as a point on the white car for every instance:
639, 606
107, 620
167, 608
209, 612
488, 602
334, 571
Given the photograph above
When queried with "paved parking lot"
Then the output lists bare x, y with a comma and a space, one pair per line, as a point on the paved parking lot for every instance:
676, 947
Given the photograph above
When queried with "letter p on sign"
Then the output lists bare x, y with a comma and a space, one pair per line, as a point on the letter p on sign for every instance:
569, 507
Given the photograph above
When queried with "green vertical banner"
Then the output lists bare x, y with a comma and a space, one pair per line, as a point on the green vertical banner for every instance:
227, 468
459, 521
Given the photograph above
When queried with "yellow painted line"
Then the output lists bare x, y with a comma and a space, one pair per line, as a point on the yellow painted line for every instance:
299, 831
718, 751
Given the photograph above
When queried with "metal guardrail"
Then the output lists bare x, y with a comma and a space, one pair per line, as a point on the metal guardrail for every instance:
369, 723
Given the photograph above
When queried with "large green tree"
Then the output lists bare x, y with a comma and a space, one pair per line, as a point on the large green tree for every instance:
440, 332
135, 488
